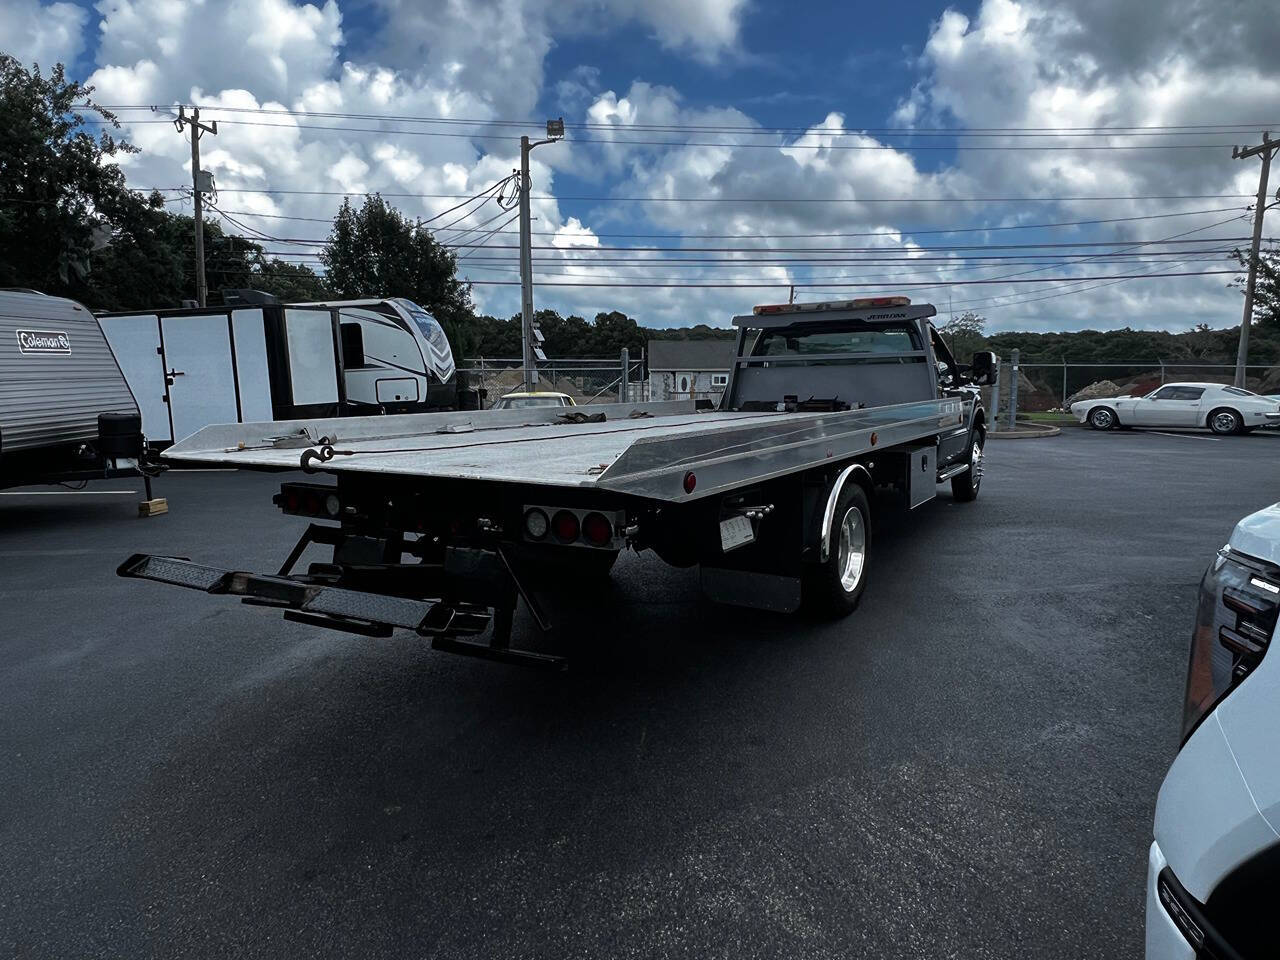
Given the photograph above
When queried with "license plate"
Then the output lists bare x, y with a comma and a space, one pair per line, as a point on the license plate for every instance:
735, 532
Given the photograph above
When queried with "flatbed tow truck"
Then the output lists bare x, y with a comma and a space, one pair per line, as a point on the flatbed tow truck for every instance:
441, 523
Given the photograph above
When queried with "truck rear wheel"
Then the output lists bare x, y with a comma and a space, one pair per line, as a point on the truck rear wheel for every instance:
834, 587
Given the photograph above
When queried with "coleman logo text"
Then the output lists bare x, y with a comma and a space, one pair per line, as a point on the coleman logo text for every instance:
43, 341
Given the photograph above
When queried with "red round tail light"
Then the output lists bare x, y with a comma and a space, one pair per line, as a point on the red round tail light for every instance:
690, 481
312, 504
291, 501
597, 530
565, 526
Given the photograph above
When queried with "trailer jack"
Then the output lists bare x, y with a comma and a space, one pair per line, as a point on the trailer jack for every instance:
453, 627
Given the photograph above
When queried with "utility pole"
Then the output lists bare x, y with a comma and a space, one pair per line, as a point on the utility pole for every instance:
1266, 150
200, 182
530, 335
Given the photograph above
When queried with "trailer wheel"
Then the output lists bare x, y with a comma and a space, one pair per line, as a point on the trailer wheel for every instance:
964, 486
834, 587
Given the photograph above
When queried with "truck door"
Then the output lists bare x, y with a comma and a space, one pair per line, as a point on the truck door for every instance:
198, 372
954, 444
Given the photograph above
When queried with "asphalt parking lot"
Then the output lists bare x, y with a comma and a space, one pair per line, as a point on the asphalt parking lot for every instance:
967, 767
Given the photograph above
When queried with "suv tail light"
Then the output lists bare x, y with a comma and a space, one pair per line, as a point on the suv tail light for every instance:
1235, 618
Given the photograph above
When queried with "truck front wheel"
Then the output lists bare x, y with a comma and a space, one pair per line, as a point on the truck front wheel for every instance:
964, 486
834, 586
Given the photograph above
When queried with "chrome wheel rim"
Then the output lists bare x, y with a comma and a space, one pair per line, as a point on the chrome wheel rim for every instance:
1224, 422
852, 556
1102, 418
975, 463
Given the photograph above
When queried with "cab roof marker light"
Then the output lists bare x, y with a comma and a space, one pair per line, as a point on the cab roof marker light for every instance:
859, 304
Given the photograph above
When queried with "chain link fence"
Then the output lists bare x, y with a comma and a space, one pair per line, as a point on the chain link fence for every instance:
585, 379
1051, 386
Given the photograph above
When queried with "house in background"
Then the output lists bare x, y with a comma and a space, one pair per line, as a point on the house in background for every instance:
683, 369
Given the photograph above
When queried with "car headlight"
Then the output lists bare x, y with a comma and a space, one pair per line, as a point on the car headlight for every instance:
1235, 618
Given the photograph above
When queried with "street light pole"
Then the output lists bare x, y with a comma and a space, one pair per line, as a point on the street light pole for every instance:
528, 329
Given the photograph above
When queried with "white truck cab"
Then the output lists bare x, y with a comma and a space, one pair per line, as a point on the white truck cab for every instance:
1213, 878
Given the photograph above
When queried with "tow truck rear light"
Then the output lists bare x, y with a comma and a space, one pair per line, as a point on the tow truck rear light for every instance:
309, 500
1235, 620
597, 530
536, 524
861, 303
575, 527
565, 526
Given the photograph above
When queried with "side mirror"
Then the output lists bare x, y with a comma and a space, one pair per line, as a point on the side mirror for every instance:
983, 368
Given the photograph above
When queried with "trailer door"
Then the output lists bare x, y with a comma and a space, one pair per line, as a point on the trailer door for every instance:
135, 341
199, 372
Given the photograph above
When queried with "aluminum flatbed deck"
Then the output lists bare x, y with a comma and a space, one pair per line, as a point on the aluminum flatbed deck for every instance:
642, 449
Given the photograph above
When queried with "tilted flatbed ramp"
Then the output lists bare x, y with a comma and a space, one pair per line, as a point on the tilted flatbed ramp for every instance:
643, 449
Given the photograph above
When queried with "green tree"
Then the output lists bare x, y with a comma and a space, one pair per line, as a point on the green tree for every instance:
377, 252
1266, 292
291, 282
965, 335
61, 191
150, 262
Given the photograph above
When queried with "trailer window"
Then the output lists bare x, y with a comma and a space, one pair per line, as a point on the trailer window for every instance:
842, 339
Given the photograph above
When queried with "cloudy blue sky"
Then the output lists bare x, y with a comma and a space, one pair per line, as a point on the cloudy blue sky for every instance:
752, 142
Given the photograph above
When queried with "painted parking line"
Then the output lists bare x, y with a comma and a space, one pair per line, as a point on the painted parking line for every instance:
1185, 436
68, 493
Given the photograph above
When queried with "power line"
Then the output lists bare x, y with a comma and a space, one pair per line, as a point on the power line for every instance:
487, 236
885, 256
914, 284
843, 274
833, 250
803, 262
809, 236
1067, 289
784, 200
794, 145
1118, 130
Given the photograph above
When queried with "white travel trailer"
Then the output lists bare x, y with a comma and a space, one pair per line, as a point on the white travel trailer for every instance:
66, 412
245, 361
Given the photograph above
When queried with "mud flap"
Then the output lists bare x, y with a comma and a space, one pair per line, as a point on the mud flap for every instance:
747, 588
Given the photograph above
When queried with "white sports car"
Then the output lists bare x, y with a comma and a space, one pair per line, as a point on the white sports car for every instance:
1220, 408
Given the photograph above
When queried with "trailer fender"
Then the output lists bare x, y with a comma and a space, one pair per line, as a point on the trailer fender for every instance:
860, 475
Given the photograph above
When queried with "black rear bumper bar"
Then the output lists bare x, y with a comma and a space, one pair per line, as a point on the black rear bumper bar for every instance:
353, 611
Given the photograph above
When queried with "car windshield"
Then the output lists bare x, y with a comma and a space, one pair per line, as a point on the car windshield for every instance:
509, 403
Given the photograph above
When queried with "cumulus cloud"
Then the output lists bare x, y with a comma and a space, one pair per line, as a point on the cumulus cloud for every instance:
1013, 63
272, 47
44, 34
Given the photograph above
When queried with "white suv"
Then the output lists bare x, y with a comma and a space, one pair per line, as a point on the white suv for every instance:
1213, 873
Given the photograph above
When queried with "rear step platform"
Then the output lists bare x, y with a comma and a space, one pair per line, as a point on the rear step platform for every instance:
352, 611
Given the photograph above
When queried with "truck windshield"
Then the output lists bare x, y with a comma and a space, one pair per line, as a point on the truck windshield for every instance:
843, 338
